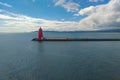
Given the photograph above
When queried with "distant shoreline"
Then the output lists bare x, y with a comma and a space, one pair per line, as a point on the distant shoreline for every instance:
111, 30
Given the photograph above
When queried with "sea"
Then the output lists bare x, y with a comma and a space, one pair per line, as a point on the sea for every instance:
23, 59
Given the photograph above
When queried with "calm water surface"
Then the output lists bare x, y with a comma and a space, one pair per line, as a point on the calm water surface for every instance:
23, 59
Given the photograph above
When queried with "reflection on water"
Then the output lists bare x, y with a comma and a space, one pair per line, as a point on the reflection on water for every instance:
23, 59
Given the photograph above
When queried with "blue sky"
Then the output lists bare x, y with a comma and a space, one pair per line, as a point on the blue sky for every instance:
46, 8
56, 13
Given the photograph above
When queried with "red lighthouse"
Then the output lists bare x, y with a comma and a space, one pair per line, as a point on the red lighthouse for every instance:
40, 34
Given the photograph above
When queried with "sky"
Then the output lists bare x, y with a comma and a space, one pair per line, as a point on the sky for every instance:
59, 15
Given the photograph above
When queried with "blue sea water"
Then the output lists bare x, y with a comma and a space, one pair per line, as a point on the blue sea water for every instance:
23, 59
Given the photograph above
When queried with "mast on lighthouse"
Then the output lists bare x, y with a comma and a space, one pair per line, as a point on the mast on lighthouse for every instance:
40, 34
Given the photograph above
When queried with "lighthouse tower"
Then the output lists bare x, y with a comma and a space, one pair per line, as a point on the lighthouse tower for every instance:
40, 34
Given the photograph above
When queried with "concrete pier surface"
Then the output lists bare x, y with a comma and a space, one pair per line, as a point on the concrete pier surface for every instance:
77, 39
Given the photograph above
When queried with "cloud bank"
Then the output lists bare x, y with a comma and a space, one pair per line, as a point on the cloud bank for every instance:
11, 22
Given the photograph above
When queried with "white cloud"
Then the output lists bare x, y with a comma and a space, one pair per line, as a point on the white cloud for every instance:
33, 0
86, 11
95, 0
69, 6
59, 2
105, 16
5, 4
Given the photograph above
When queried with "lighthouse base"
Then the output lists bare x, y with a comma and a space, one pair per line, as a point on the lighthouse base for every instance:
76, 39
